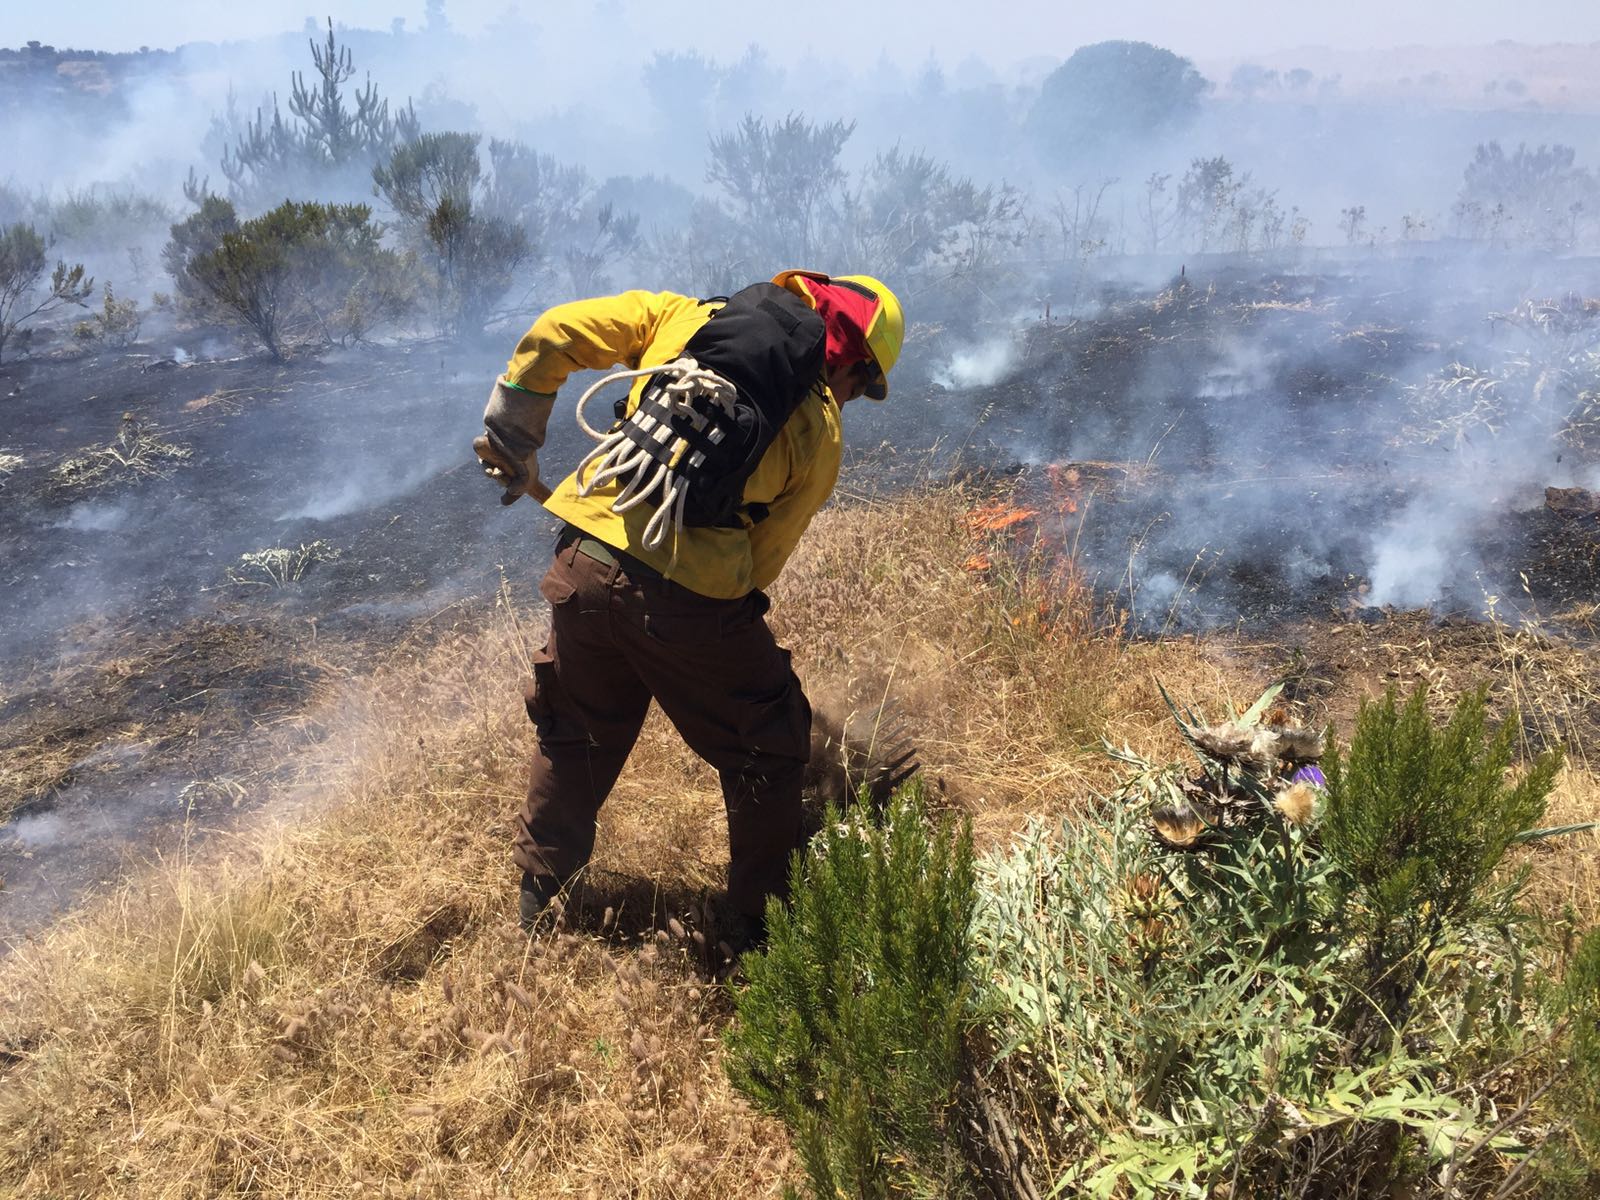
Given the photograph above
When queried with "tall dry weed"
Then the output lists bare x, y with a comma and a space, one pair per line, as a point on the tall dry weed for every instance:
1005, 667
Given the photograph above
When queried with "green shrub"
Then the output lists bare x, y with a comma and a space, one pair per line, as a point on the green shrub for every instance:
1418, 820
117, 323
435, 185
22, 265
476, 259
1571, 1164
197, 235
302, 272
850, 1029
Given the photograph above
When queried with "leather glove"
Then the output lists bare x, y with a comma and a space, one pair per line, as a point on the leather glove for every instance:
514, 424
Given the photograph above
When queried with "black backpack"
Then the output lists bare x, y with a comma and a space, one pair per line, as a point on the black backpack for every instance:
767, 342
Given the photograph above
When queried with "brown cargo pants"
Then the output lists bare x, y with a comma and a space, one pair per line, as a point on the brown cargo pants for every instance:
616, 640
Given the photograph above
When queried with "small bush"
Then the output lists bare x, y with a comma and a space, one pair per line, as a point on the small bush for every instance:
434, 185
777, 179
1571, 1167
197, 235
1186, 985
1419, 819
22, 265
851, 1027
116, 324
476, 258
302, 272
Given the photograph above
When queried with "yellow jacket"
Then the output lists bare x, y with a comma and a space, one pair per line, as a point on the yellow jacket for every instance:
796, 475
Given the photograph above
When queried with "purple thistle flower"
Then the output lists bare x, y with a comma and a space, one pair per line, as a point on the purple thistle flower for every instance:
1310, 773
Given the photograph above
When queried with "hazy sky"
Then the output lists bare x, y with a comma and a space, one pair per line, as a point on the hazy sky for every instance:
858, 31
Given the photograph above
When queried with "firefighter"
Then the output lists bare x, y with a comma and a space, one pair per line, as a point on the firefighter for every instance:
636, 615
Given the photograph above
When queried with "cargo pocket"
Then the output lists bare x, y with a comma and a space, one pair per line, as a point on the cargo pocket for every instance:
557, 591
539, 688
697, 622
778, 726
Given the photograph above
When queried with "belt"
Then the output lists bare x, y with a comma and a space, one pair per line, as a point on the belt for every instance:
591, 547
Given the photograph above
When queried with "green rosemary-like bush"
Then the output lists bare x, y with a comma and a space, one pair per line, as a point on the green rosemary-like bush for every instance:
850, 1028
1419, 819
1571, 1168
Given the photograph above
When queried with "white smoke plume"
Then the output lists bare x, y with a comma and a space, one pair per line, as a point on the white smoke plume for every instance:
983, 365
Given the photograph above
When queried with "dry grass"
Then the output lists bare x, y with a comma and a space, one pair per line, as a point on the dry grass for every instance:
337, 1001
1006, 677
1565, 882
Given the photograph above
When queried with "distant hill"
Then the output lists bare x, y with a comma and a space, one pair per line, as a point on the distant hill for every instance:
1506, 75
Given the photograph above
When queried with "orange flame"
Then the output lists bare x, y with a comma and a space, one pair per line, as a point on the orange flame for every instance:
991, 518
1065, 483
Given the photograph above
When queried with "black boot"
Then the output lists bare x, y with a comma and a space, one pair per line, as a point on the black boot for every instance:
742, 933
532, 899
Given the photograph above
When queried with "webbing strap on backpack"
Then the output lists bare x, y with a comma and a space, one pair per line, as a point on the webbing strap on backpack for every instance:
704, 422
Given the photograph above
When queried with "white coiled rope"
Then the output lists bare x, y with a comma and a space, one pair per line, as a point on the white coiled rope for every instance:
617, 455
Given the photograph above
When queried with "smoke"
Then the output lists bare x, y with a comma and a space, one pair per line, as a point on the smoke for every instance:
1304, 568
979, 366
432, 600
1153, 599
1263, 306
366, 485
1294, 437
1423, 553
1236, 410
95, 517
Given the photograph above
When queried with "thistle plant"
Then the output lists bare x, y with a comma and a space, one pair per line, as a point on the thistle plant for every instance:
1187, 980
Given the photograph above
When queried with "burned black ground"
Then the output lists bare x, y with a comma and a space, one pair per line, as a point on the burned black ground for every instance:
1244, 441
147, 666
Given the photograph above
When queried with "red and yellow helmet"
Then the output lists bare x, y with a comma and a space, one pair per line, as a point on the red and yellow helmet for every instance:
885, 327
